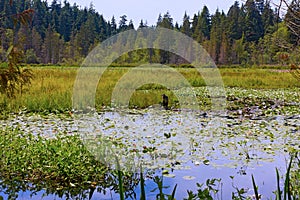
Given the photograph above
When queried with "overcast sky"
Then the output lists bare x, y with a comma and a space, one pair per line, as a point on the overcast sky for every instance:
148, 10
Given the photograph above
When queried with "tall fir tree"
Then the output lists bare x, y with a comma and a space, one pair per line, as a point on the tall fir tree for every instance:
186, 26
253, 22
234, 22
203, 28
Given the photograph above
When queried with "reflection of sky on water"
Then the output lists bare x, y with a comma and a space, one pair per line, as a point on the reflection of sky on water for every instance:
219, 133
265, 178
264, 175
221, 140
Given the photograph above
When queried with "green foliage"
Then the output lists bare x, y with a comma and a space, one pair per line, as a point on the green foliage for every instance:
253, 22
208, 192
120, 180
14, 78
160, 186
292, 20
186, 26
63, 163
234, 18
291, 182
52, 87
257, 196
61, 33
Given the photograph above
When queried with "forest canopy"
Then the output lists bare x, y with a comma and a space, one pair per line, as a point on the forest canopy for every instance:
61, 33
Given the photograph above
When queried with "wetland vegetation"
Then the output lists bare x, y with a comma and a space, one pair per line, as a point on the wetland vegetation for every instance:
42, 150
52, 87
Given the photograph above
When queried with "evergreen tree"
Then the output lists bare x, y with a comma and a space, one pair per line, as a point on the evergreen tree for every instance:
240, 51
253, 22
260, 5
103, 28
123, 23
225, 50
130, 25
216, 36
177, 27
166, 21
52, 47
113, 26
194, 25
65, 21
84, 39
159, 20
186, 26
246, 32
55, 10
37, 44
219, 45
292, 20
41, 17
142, 24
268, 17
47, 46
234, 22
203, 28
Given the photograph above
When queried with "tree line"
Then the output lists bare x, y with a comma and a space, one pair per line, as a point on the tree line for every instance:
60, 33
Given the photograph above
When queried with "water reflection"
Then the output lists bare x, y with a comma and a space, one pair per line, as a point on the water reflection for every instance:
210, 145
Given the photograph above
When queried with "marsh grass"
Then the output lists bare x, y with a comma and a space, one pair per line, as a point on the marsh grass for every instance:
258, 78
60, 163
290, 188
60, 166
52, 88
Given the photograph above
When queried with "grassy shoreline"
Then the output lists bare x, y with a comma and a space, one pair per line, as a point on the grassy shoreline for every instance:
52, 87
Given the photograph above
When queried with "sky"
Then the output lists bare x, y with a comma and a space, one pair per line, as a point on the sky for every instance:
149, 10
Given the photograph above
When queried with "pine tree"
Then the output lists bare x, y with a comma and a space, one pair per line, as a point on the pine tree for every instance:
41, 17
268, 17
234, 22
130, 25
113, 26
166, 21
164, 39
142, 24
65, 21
159, 20
215, 36
123, 23
253, 22
194, 26
37, 44
203, 28
55, 11
292, 20
186, 26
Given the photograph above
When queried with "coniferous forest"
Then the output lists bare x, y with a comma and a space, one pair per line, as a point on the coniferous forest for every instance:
253, 33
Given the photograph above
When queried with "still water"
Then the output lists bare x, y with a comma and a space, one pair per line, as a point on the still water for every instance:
207, 145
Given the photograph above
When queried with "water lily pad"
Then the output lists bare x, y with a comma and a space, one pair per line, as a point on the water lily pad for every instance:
169, 175
189, 178
197, 163
206, 162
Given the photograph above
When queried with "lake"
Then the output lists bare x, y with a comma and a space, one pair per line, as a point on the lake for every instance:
188, 147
